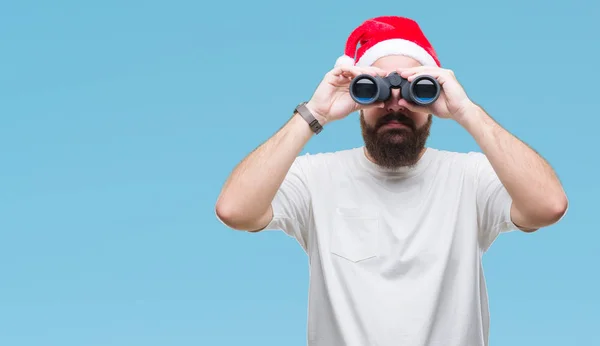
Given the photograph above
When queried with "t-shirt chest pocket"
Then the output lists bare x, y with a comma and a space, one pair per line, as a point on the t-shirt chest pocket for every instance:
355, 234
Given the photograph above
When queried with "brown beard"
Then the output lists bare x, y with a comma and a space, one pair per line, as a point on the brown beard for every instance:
397, 147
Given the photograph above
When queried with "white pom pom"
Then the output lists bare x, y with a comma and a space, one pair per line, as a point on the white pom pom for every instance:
344, 60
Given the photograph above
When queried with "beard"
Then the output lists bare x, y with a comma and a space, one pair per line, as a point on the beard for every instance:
395, 147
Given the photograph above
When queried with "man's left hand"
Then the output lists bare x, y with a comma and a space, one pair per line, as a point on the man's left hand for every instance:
453, 102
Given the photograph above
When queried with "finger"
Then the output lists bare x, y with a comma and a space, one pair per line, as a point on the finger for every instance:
339, 76
377, 71
347, 74
350, 71
354, 71
374, 105
343, 70
359, 106
340, 80
337, 71
442, 75
430, 72
409, 71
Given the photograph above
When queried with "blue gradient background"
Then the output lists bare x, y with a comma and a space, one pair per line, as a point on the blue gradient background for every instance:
121, 120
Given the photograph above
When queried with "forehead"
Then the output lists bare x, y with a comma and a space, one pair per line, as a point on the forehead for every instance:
392, 62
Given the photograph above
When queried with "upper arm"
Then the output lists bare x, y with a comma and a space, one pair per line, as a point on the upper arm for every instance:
495, 210
290, 209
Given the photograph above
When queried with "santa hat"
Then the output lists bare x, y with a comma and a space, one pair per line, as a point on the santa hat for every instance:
387, 35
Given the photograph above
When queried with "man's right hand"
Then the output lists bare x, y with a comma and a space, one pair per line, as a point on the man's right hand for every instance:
332, 101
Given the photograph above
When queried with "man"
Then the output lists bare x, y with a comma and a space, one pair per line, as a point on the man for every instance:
394, 231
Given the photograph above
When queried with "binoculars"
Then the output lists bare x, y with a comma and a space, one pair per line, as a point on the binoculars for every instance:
366, 89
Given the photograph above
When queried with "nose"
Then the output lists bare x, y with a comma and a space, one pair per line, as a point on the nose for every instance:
392, 103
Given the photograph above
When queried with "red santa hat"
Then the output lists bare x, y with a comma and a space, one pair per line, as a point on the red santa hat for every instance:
387, 35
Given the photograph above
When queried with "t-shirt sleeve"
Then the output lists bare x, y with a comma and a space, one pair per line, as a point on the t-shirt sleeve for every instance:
493, 203
291, 205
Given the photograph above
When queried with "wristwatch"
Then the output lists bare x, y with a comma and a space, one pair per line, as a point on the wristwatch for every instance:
305, 113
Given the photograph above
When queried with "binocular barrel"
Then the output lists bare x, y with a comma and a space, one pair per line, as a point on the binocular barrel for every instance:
367, 89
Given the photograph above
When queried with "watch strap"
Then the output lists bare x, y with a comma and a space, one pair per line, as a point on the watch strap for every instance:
306, 114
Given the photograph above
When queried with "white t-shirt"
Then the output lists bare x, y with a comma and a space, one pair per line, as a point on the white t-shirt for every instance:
395, 255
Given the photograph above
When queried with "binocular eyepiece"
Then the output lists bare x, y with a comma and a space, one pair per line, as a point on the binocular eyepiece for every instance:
366, 89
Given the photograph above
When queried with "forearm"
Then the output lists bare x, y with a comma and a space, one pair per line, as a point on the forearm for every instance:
245, 200
538, 196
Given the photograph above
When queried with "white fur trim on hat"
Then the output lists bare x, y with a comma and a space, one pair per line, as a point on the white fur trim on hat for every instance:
396, 47
344, 60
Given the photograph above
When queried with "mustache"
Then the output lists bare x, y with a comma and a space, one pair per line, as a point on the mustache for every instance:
396, 116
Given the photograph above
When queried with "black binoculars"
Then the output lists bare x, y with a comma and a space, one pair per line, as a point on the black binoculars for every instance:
367, 89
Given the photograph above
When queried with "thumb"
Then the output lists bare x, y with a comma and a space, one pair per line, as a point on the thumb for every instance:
374, 105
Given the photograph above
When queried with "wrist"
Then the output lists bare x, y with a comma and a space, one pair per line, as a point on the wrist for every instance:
299, 126
320, 117
477, 123
468, 114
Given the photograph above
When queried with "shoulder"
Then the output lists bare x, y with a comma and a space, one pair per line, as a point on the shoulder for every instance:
324, 167
328, 160
444, 154
455, 157
465, 163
